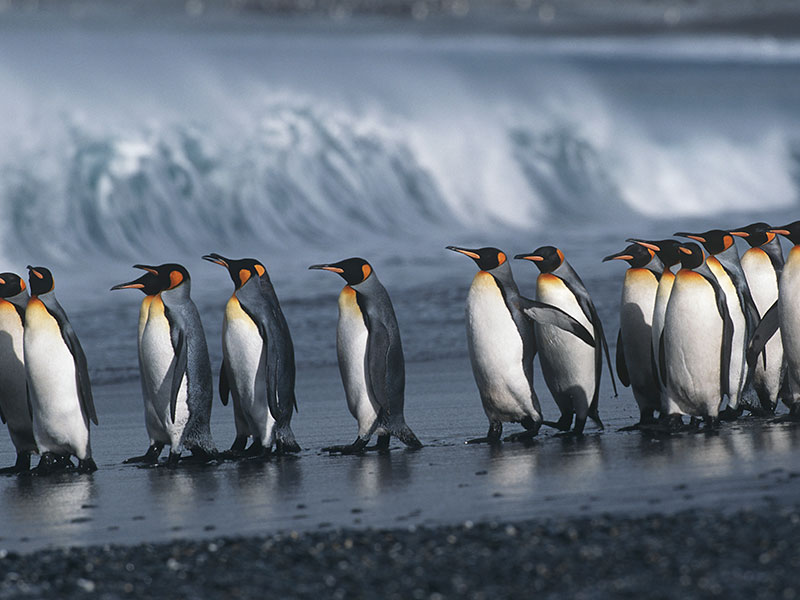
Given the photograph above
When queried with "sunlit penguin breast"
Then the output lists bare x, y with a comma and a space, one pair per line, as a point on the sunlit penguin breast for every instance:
496, 352
692, 345
58, 422
566, 360
351, 347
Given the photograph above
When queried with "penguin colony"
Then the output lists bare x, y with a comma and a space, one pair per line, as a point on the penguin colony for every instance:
698, 341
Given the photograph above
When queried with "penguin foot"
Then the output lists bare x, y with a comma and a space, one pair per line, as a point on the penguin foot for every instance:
635, 427
492, 436
563, 424
730, 414
173, 460
23, 465
238, 445
405, 435
283, 447
356, 447
382, 445
199, 456
150, 457
573, 435
521, 436
52, 463
87, 465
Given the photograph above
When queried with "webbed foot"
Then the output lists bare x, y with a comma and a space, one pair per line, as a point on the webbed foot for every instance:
150, 457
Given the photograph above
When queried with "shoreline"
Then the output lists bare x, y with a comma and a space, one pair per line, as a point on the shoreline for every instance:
695, 553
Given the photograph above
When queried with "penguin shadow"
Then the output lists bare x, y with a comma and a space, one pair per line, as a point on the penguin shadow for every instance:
7, 351
279, 478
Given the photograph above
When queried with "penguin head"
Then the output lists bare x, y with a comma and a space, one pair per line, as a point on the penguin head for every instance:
352, 270
713, 240
486, 258
41, 280
241, 270
790, 231
147, 283
692, 255
11, 284
637, 256
755, 234
547, 258
668, 251
169, 275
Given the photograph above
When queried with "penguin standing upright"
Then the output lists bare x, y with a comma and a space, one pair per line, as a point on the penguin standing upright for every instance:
696, 343
502, 344
723, 261
762, 264
14, 409
371, 358
635, 364
157, 431
258, 360
58, 380
572, 369
668, 252
176, 365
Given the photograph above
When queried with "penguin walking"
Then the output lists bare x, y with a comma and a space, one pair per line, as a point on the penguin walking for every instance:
634, 358
668, 252
572, 369
697, 340
724, 263
158, 433
175, 366
258, 360
371, 359
762, 264
15, 411
502, 344
62, 406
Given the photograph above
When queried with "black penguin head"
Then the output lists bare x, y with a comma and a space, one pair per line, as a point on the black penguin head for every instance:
241, 270
41, 280
486, 258
668, 251
755, 234
547, 258
691, 255
169, 275
11, 284
713, 240
790, 231
147, 283
352, 270
637, 256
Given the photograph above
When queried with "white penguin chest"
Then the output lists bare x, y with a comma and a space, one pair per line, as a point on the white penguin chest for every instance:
351, 348
761, 278
242, 345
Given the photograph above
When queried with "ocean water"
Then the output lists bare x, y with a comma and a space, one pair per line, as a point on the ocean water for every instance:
149, 144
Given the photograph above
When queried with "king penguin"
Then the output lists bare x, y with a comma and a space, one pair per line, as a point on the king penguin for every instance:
158, 433
176, 365
696, 343
58, 380
370, 356
14, 408
572, 369
635, 364
762, 264
668, 251
723, 260
502, 344
258, 360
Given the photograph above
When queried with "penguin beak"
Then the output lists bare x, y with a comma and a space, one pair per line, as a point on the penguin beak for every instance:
533, 257
465, 251
618, 256
781, 231
147, 268
131, 285
742, 234
643, 243
33, 271
217, 259
691, 236
330, 268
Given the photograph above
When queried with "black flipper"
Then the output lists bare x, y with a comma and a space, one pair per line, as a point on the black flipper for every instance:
2, 416
662, 362
546, 314
622, 368
769, 324
727, 330
181, 360
81, 366
224, 387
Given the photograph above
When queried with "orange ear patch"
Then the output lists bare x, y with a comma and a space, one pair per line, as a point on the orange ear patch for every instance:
560, 255
501, 258
175, 279
244, 276
366, 270
260, 270
22, 285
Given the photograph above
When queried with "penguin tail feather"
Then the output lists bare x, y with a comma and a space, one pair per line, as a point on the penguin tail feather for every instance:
595, 416
285, 437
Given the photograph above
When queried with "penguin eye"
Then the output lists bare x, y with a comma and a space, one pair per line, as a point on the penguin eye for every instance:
366, 270
501, 258
260, 270
175, 279
244, 276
